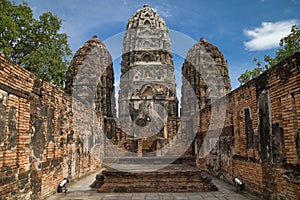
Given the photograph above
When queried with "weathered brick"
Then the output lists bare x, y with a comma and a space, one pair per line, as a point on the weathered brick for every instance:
264, 174
18, 86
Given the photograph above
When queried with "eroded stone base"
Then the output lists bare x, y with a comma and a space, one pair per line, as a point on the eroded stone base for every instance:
173, 178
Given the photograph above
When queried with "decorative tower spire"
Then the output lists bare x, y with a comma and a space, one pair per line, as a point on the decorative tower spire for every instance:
206, 70
147, 98
90, 77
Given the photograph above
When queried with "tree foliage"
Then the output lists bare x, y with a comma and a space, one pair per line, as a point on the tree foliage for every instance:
35, 44
289, 45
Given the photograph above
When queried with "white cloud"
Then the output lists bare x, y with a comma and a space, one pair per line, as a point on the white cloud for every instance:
268, 35
294, 1
164, 10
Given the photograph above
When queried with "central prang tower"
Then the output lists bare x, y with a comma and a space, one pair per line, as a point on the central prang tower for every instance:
147, 96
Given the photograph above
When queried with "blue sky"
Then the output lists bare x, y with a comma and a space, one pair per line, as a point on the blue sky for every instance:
241, 29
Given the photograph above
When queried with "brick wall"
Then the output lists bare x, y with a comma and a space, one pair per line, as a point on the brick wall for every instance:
44, 136
260, 141
41, 139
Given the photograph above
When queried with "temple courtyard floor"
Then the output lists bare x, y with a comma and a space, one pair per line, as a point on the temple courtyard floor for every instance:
80, 190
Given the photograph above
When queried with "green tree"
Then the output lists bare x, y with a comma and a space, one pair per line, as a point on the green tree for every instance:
35, 44
289, 45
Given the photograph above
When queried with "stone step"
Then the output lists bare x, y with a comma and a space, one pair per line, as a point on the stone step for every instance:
151, 160
173, 178
166, 188
140, 160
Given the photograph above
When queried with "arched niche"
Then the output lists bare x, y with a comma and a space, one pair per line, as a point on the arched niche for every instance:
147, 23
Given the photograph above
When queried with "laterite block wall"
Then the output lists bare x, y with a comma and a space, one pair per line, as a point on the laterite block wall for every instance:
260, 141
39, 140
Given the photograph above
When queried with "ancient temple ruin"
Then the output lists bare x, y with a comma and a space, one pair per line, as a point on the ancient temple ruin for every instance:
147, 98
252, 132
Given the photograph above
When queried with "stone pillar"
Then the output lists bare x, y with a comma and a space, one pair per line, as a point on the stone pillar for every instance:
140, 148
158, 148
3, 98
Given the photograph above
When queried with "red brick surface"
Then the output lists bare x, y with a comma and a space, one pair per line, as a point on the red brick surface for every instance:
35, 152
271, 166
